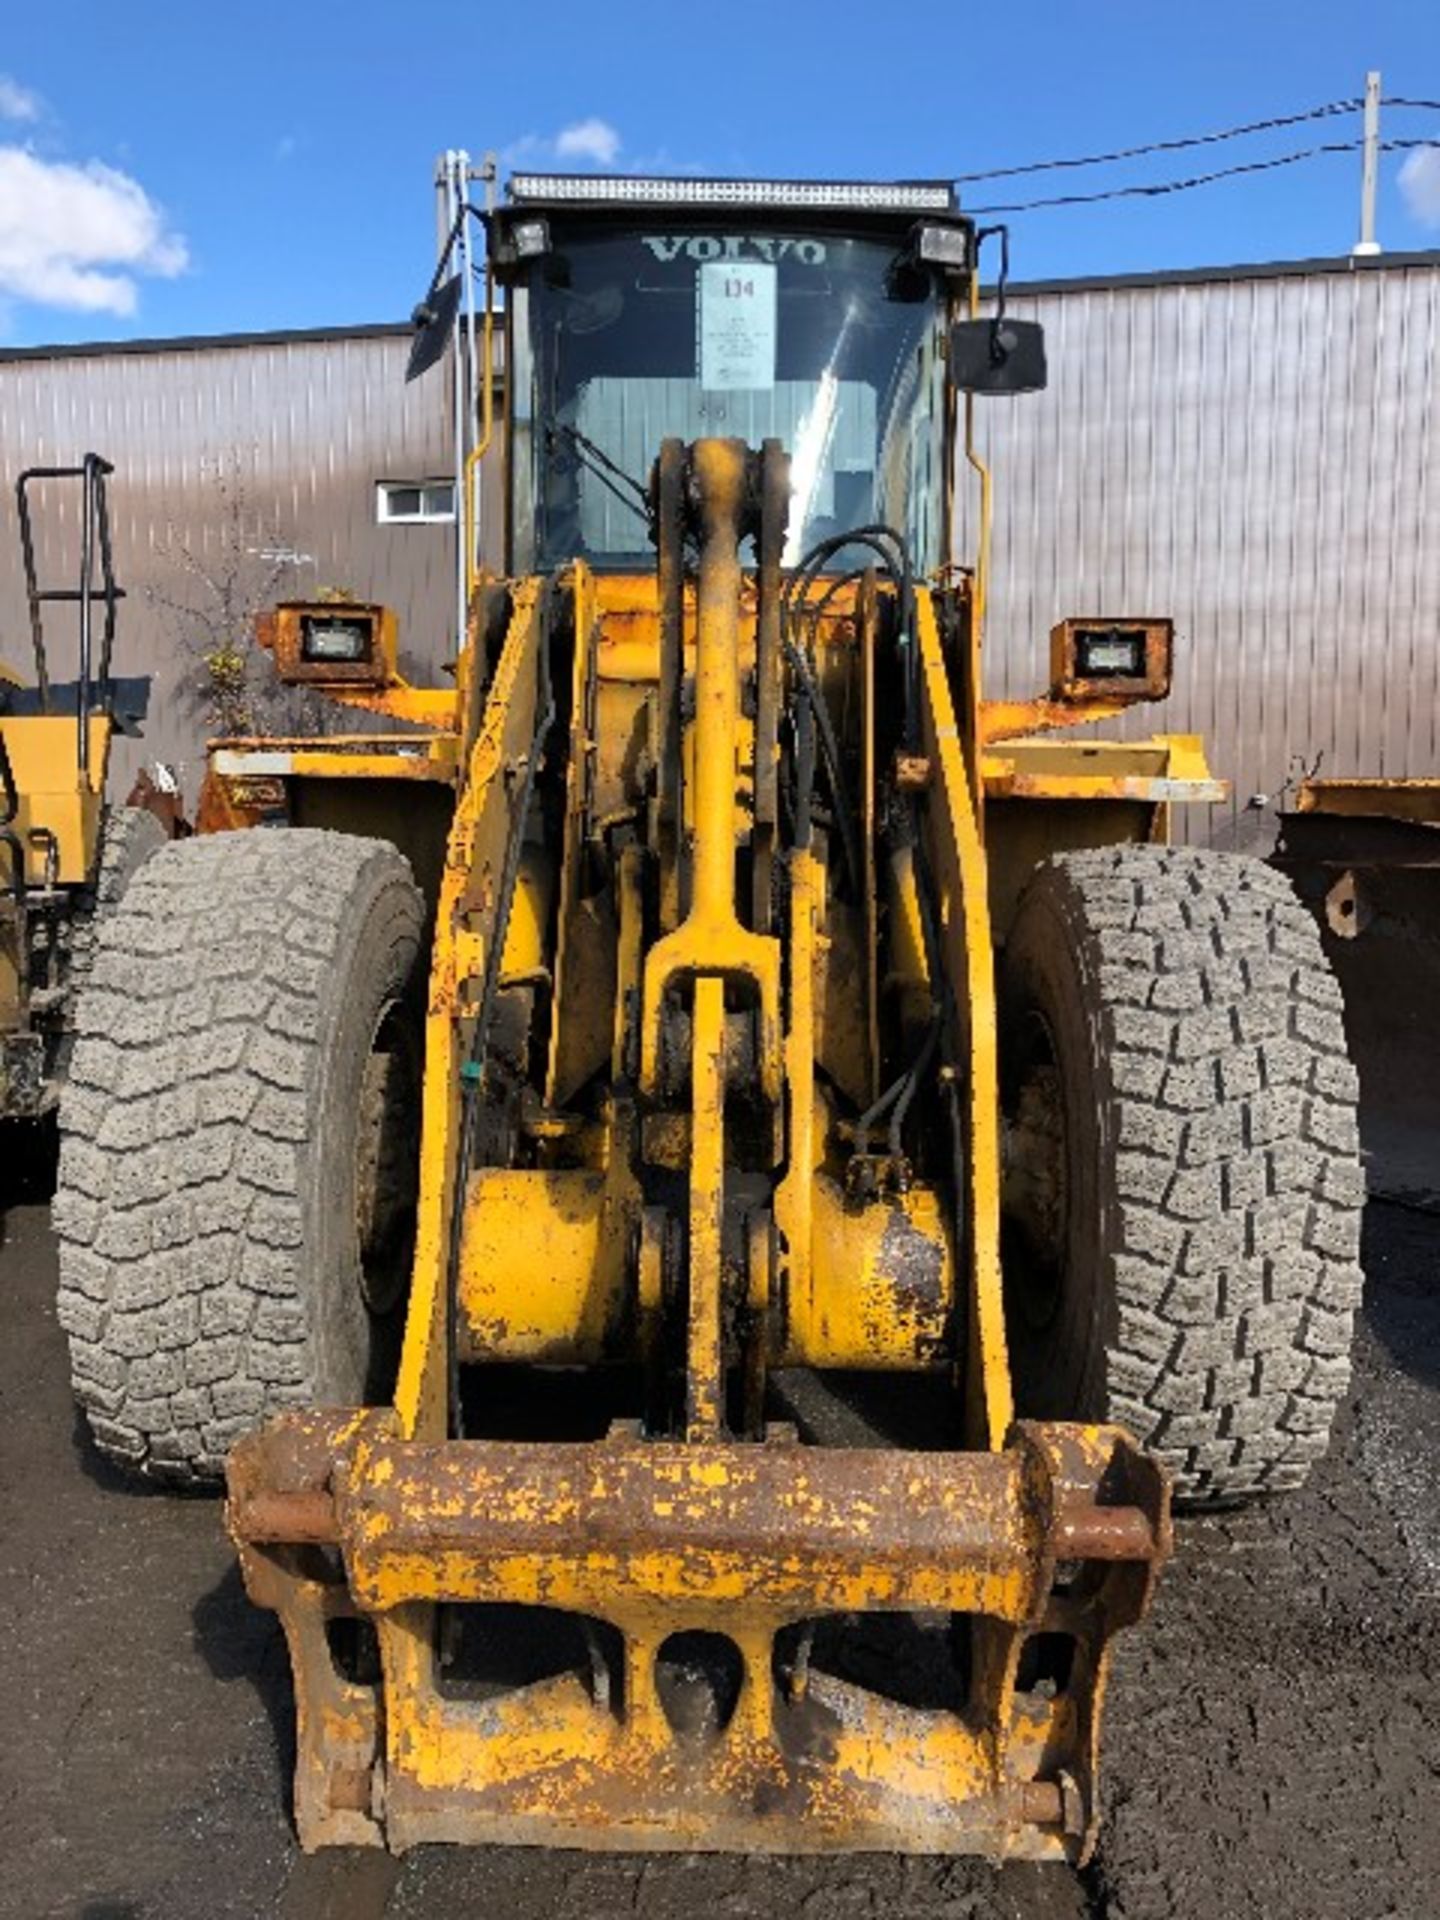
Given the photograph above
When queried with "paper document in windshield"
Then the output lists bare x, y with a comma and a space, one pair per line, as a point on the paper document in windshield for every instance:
737, 325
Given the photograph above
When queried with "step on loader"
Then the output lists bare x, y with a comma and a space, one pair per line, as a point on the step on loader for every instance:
707, 1186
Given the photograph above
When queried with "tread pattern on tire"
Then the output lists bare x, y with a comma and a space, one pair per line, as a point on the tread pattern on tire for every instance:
183, 1130
128, 837
1238, 1174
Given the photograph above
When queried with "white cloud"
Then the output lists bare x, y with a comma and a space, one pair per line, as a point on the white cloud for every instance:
17, 102
1420, 185
79, 236
593, 140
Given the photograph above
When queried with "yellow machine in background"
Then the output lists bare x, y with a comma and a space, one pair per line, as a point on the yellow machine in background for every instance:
1363, 854
526, 1147
65, 858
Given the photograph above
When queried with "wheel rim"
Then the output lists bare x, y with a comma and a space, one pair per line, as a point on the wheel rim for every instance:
387, 1162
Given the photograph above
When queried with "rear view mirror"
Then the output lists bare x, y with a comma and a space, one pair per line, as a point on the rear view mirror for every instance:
998, 356
433, 321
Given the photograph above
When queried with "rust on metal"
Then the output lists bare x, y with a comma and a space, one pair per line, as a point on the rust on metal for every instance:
1417, 800
1075, 697
1104, 1533
738, 1542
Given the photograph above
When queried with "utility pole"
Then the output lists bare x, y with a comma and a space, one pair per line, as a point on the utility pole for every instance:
1367, 245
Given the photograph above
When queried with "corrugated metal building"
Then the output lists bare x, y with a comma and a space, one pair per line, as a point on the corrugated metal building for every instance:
1247, 449
247, 469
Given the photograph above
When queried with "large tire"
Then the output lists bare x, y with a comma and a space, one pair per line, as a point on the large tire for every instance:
1183, 1182
244, 1089
128, 837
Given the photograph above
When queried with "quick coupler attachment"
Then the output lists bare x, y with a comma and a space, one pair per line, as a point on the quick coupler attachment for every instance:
633, 1643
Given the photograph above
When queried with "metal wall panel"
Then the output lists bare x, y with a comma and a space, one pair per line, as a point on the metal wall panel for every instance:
1252, 455
302, 428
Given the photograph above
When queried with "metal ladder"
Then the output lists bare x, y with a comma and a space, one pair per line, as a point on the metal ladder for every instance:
94, 545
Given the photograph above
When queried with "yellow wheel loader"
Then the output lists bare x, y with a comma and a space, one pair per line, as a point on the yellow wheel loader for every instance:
705, 1186
67, 857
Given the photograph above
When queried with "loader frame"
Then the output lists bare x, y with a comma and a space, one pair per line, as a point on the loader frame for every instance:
385, 1516
1036, 1541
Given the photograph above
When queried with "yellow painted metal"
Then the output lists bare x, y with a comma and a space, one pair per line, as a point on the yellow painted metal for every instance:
426, 706
746, 1541
794, 1219
54, 797
579, 791
1007, 719
908, 985
704, 1359
525, 937
710, 942
1417, 800
373, 684
469, 523
1164, 769
878, 1289
477, 839
418, 759
958, 859
544, 1278
339, 756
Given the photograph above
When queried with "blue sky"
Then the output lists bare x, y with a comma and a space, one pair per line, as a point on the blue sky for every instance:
167, 168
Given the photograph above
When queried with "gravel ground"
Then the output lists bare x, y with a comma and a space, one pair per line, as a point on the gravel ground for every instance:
1272, 1748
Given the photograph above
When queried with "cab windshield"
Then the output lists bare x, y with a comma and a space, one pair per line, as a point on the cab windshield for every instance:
828, 342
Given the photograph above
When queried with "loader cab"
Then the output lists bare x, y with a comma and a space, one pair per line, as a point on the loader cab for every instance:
814, 314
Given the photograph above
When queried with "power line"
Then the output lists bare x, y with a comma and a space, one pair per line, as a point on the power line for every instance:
1328, 111
1191, 140
1154, 189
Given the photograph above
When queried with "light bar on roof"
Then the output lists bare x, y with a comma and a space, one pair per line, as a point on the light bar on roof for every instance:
917, 196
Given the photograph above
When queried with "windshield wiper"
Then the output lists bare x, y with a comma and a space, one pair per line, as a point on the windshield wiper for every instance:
597, 462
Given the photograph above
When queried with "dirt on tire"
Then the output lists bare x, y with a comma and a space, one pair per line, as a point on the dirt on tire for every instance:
209, 1259
1207, 1240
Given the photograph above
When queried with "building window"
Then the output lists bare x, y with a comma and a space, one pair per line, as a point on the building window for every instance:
414, 502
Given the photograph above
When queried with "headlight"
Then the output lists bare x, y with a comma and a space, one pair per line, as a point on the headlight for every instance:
334, 637
342, 644
530, 238
1116, 655
1111, 660
943, 246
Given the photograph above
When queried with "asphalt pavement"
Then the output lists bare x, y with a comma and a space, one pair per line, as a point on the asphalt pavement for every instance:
1272, 1746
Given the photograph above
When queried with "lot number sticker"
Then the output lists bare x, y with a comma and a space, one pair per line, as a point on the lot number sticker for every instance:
737, 325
